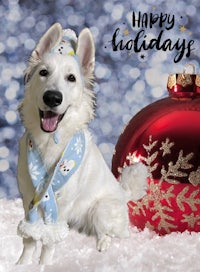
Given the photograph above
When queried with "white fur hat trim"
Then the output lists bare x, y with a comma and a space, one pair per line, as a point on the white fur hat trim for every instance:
51, 233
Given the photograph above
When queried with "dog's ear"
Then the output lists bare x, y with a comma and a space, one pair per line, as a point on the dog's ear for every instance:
86, 53
50, 39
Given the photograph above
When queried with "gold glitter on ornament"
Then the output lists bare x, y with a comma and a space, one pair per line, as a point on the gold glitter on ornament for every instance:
149, 225
194, 177
160, 200
165, 218
175, 170
191, 200
197, 81
184, 80
166, 147
133, 158
149, 159
191, 219
140, 207
171, 81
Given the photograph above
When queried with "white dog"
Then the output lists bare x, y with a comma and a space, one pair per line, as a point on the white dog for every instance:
62, 176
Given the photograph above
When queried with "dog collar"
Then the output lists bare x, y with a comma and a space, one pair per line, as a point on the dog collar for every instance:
45, 185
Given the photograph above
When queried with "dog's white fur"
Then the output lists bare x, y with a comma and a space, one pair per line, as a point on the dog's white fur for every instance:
92, 200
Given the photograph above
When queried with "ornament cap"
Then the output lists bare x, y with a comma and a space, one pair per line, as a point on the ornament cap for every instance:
184, 85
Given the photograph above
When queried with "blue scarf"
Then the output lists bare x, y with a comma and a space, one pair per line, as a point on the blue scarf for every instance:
45, 185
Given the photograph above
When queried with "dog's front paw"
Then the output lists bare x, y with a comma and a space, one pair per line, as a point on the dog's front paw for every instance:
103, 243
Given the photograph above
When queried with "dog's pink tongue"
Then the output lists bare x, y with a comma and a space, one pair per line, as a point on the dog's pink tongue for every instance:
49, 121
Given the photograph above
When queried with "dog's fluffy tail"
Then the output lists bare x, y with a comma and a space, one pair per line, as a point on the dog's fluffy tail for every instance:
134, 180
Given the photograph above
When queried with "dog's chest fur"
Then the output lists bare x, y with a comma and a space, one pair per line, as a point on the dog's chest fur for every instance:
50, 151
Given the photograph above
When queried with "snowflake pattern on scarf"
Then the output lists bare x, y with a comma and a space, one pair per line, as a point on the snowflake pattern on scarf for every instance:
45, 186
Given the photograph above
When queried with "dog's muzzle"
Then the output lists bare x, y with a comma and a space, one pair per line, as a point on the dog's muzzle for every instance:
49, 119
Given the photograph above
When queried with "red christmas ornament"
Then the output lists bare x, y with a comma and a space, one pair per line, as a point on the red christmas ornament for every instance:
166, 137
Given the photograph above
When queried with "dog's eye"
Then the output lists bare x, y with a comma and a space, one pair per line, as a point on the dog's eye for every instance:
71, 78
44, 72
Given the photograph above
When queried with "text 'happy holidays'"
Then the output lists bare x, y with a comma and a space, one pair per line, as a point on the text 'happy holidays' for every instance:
162, 42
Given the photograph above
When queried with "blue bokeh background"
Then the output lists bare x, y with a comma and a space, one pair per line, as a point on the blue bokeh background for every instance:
125, 81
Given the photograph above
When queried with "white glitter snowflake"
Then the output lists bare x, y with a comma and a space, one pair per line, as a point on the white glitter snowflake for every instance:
33, 169
78, 146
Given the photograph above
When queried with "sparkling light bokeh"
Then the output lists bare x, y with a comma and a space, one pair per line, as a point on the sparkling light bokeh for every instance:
125, 81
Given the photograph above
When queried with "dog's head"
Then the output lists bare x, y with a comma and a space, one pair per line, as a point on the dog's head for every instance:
58, 81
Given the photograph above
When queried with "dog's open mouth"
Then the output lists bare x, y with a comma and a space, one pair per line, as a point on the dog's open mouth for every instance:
49, 120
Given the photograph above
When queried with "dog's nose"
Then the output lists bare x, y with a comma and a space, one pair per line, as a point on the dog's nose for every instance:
52, 98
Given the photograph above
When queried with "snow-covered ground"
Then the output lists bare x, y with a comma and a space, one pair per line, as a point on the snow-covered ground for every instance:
143, 251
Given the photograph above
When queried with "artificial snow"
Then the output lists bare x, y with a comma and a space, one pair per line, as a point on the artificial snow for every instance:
142, 251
